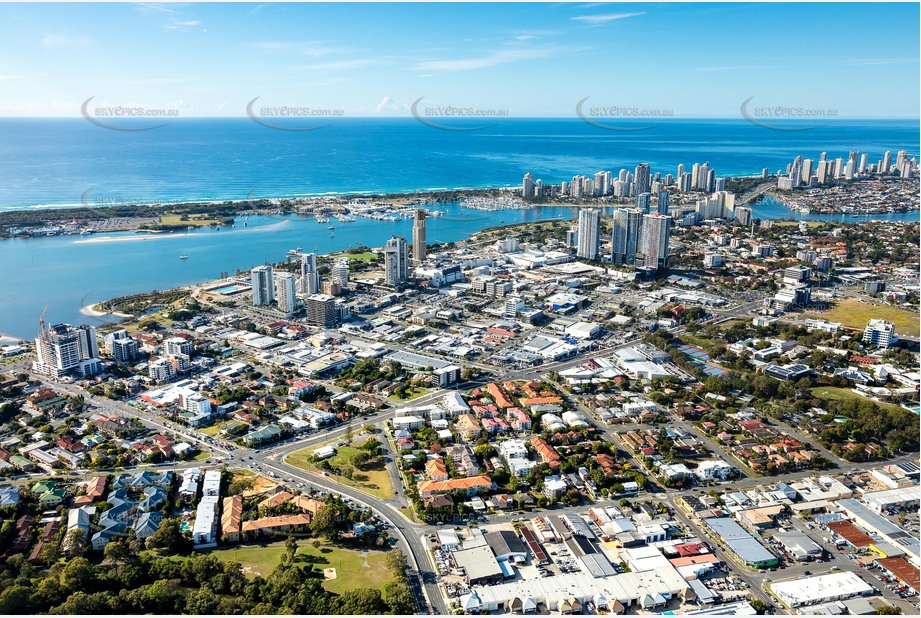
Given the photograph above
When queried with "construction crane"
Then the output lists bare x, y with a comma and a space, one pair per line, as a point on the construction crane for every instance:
41, 322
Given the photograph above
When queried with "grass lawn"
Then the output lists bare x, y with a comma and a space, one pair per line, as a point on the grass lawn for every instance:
355, 257
375, 481
414, 393
213, 430
854, 313
177, 220
202, 456
843, 394
730, 323
691, 339
353, 570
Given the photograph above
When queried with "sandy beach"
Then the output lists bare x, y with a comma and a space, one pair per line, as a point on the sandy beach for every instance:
90, 310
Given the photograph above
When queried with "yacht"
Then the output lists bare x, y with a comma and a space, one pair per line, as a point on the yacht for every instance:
183, 257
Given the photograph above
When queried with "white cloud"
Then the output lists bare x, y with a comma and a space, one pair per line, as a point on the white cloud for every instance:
156, 7
388, 105
176, 25
385, 105
603, 19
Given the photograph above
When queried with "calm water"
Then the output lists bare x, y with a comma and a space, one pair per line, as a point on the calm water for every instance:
67, 161
769, 208
69, 272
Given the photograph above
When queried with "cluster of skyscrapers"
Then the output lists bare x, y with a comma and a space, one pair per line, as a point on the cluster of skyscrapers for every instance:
274, 289
637, 184
279, 291
638, 238
808, 173
396, 252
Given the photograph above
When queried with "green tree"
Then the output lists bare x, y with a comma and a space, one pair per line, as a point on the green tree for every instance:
17, 599
96, 603
888, 610
116, 552
758, 605
77, 574
326, 522
398, 598
168, 536
202, 602
75, 542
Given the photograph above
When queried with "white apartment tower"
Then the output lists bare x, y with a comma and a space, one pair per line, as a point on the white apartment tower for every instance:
263, 282
340, 271
625, 236
310, 278
589, 234
396, 261
285, 293
527, 185
62, 348
654, 241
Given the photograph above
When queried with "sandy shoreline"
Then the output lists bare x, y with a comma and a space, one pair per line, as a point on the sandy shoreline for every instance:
90, 310
8, 339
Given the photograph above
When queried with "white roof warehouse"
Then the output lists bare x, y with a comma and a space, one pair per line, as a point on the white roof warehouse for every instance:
820, 589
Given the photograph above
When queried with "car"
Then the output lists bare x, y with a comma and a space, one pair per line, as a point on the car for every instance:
807, 572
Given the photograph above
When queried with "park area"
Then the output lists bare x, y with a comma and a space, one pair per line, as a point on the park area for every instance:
373, 479
354, 569
855, 314
845, 394
356, 257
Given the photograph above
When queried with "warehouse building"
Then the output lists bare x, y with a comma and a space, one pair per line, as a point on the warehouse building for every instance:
799, 545
741, 543
879, 525
893, 499
506, 545
903, 571
821, 589
648, 590
479, 565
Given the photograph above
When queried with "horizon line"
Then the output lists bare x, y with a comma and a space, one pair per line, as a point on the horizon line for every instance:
474, 118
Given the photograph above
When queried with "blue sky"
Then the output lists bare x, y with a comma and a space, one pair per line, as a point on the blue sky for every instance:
697, 60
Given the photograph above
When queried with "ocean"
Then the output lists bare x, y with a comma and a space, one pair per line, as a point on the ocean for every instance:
64, 162
57, 162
